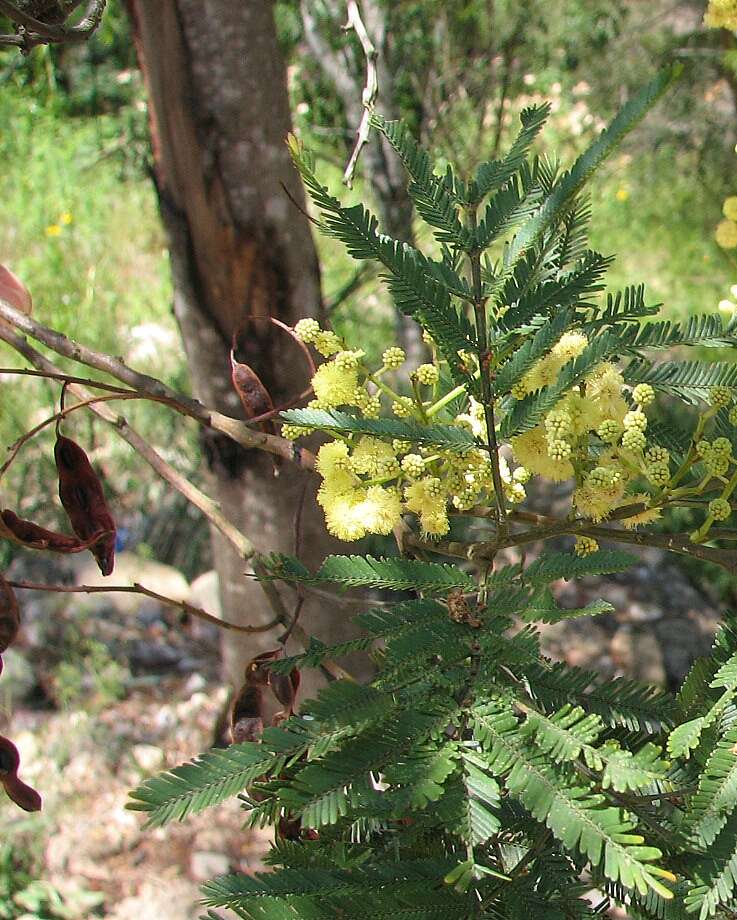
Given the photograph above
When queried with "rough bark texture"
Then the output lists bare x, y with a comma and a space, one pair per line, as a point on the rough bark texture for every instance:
239, 248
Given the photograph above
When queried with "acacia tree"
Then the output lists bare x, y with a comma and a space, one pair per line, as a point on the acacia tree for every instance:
239, 248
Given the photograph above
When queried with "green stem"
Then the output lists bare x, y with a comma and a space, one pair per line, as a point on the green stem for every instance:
487, 391
444, 400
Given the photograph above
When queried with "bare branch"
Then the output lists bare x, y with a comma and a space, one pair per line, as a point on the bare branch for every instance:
146, 592
201, 501
370, 90
33, 31
154, 389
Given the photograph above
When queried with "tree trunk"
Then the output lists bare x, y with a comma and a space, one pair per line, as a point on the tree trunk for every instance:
239, 248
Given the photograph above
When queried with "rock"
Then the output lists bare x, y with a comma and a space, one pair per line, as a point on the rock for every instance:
637, 652
148, 757
153, 656
172, 898
18, 681
206, 864
129, 569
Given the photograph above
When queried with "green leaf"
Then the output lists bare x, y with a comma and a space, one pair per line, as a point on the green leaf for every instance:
716, 797
392, 574
434, 197
581, 171
545, 608
578, 816
445, 436
553, 566
494, 174
206, 781
685, 738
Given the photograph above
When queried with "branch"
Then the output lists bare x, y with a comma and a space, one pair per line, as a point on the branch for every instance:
197, 498
151, 387
34, 31
25, 438
370, 89
146, 592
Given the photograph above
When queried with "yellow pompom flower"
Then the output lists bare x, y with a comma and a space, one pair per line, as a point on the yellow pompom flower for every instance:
604, 386
381, 510
427, 499
546, 371
531, 450
729, 208
726, 234
569, 346
644, 517
721, 14
331, 457
372, 457
334, 385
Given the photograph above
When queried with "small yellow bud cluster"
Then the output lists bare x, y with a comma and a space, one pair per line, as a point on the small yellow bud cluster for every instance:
413, 465
394, 357
428, 375
720, 397
292, 432
720, 509
585, 546
716, 456
643, 394
402, 407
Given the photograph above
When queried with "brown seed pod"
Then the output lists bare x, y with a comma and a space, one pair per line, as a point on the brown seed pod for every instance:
21, 793
285, 687
82, 496
246, 716
252, 393
33, 536
9, 615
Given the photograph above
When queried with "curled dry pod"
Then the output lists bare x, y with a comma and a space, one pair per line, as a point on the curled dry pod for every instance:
21, 793
246, 714
252, 393
9, 615
285, 687
81, 494
247, 711
33, 536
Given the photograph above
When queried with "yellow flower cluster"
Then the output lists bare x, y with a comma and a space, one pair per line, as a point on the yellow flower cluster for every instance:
596, 435
368, 483
592, 435
721, 14
547, 368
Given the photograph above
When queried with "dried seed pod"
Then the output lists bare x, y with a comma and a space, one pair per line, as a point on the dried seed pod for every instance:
21, 793
82, 496
246, 716
285, 687
247, 711
252, 393
33, 536
9, 615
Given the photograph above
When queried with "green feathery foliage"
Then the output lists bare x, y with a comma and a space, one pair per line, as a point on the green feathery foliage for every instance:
472, 777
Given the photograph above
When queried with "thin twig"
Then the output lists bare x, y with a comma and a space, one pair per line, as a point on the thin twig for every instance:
151, 387
137, 588
16, 447
370, 89
196, 497
36, 32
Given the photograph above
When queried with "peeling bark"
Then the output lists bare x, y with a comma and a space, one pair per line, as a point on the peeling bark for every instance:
239, 249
